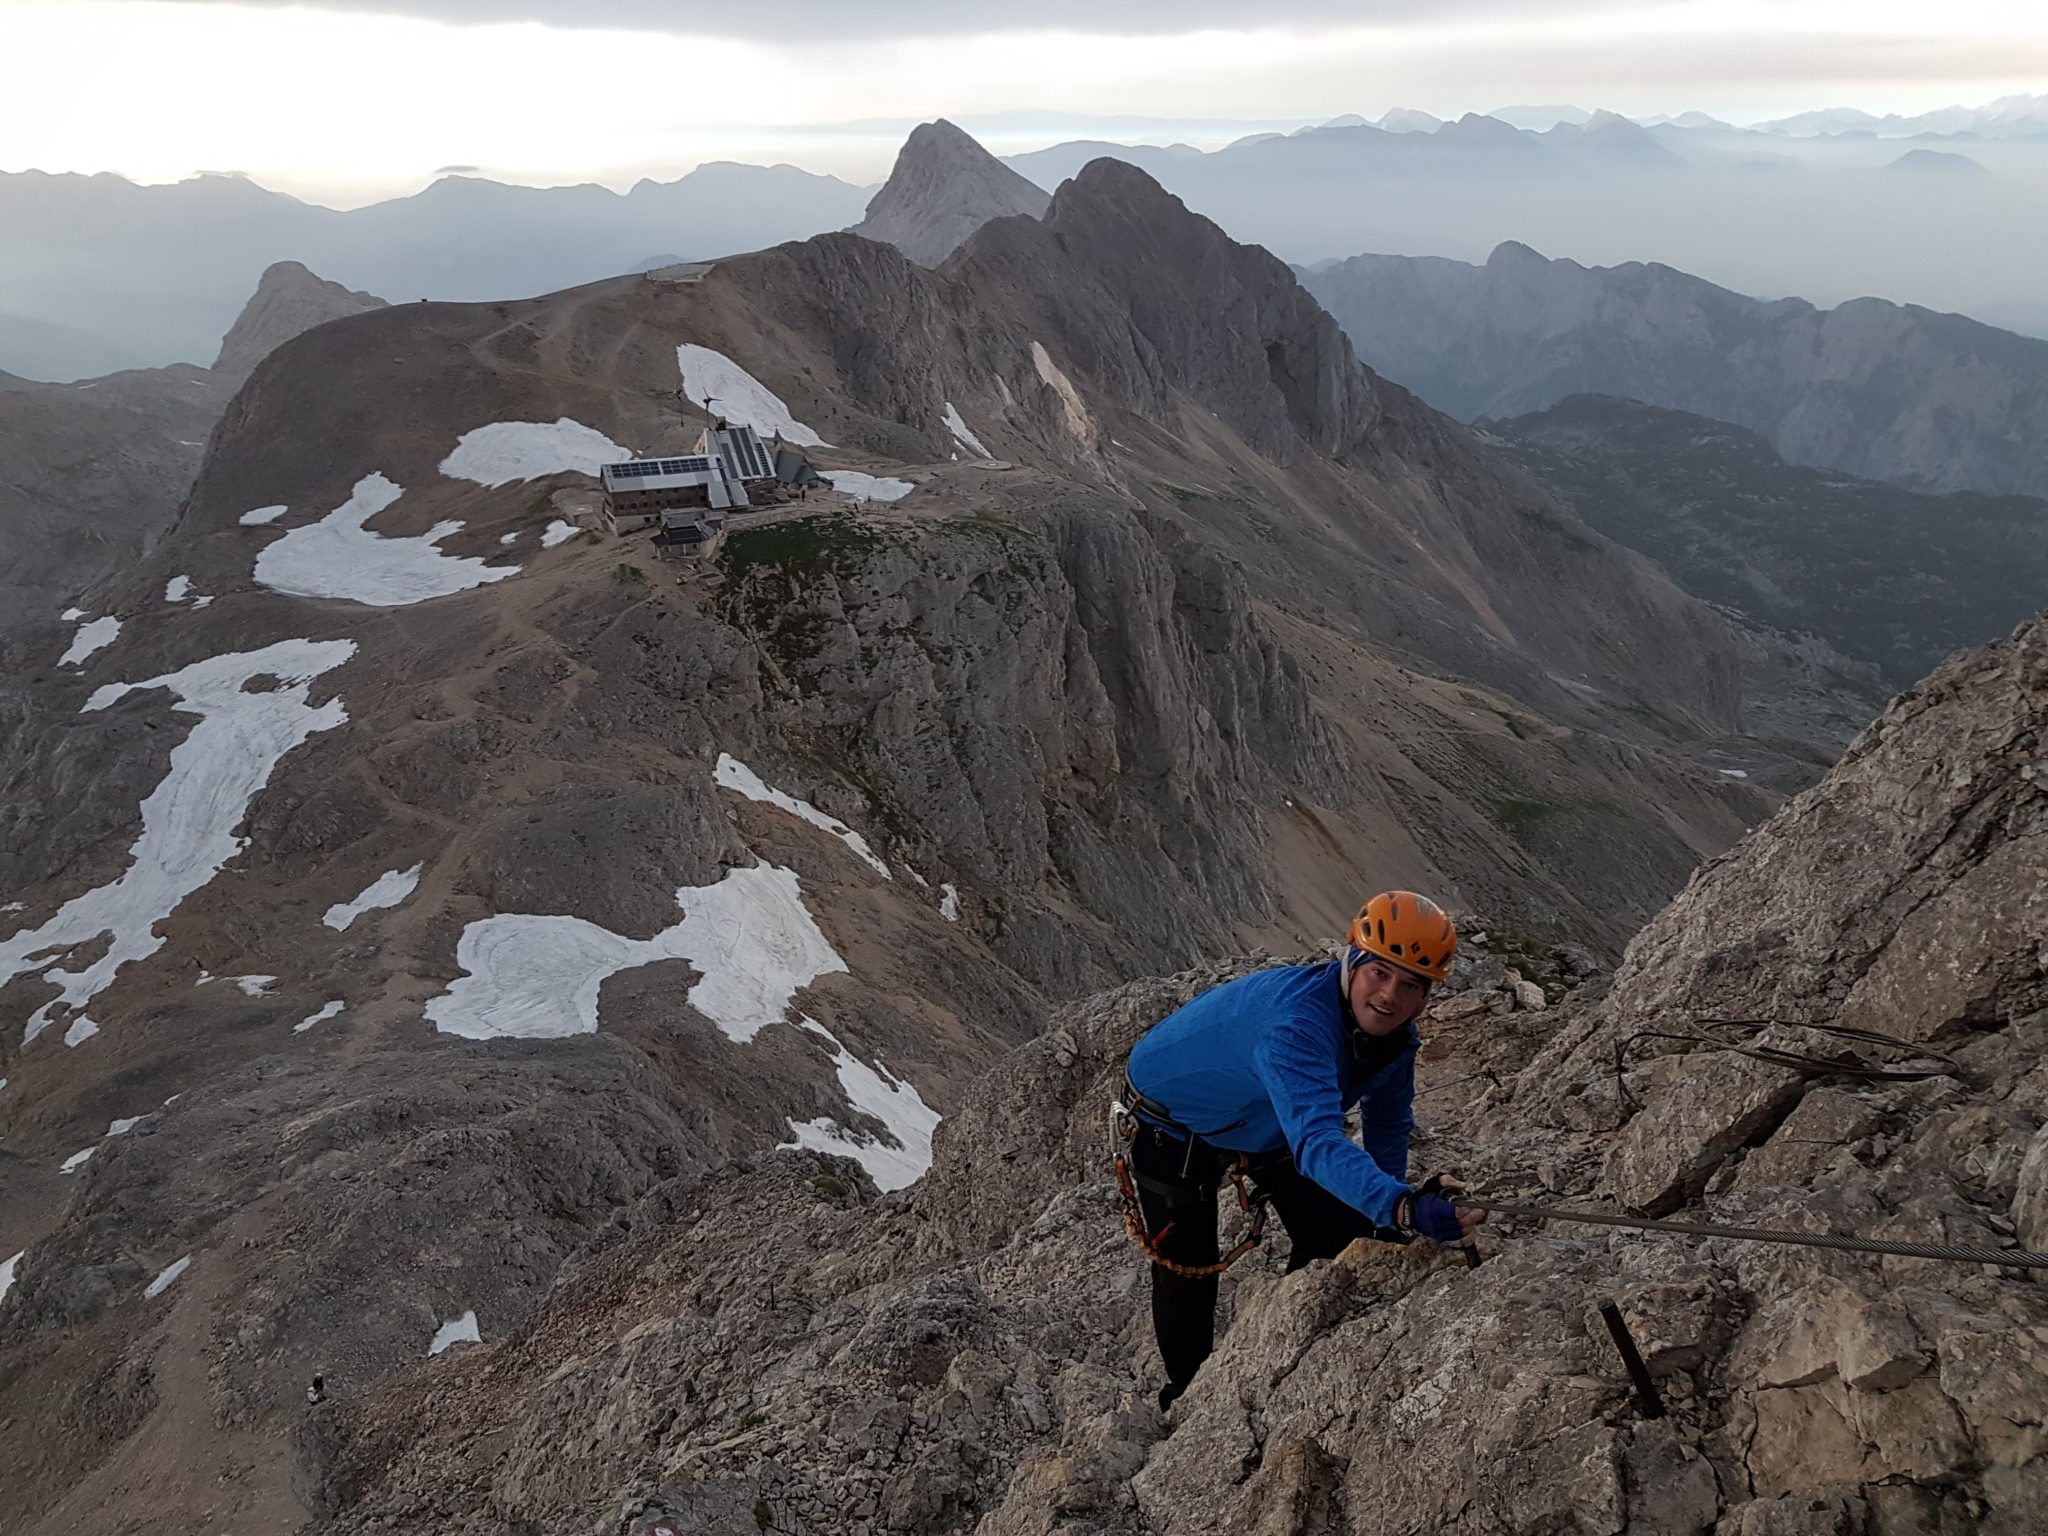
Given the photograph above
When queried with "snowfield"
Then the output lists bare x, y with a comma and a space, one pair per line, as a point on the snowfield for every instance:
736, 776
462, 1330
533, 976
896, 1104
387, 890
90, 637
721, 386
851, 482
338, 557
189, 819
957, 425
537, 977
506, 451
163, 1281
331, 1010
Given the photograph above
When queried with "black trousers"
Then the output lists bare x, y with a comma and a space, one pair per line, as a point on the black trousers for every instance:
1177, 1185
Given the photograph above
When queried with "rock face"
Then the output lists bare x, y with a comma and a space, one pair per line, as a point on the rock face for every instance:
1887, 577
1909, 396
773, 1343
288, 300
944, 187
91, 475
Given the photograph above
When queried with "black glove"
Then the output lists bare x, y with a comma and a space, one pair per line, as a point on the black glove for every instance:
1427, 1212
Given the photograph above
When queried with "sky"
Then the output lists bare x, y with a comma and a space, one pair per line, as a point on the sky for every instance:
353, 100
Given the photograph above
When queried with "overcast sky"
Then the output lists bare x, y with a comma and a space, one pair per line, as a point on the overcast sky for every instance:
360, 98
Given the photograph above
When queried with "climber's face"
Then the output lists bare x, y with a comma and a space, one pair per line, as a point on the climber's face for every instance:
1384, 997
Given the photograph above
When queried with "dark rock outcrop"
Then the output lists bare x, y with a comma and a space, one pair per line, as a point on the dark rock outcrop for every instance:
943, 188
1886, 576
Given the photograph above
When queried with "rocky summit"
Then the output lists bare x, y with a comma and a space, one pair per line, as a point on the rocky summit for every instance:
507, 1032
943, 188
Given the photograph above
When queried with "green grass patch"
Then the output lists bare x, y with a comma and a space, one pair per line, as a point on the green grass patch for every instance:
1519, 815
826, 541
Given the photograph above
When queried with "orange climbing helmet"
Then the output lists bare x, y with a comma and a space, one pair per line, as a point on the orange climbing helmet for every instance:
1407, 930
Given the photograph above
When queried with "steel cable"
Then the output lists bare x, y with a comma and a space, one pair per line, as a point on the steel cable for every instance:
1942, 1251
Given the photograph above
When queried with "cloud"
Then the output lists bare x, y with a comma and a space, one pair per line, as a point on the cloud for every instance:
792, 22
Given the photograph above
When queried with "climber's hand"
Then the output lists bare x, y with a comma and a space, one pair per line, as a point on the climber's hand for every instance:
1467, 1218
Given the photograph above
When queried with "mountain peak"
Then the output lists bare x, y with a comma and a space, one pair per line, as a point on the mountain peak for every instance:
288, 299
944, 187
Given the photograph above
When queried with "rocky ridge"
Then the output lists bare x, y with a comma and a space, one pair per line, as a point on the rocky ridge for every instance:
944, 187
775, 1345
1893, 392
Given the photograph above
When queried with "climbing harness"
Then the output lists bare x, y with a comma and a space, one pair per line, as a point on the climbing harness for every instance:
1123, 1126
1945, 1252
1797, 1061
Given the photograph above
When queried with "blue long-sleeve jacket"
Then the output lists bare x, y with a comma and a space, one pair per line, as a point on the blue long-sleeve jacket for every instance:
1268, 1062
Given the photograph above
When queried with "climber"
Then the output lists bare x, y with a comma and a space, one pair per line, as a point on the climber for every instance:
1253, 1078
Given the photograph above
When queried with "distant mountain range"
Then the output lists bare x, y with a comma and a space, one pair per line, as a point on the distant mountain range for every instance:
1891, 392
163, 270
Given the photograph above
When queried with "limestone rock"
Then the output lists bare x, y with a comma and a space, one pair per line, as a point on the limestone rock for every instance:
944, 187
288, 300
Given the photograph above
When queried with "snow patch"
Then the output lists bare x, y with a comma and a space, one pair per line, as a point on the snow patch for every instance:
189, 819
958, 427
506, 451
164, 1278
1734, 773
509, 538
909, 1121
387, 890
717, 384
77, 1160
735, 775
201, 602
851, 482
537, 977
123, 1127
7, 1273
15, 906
339, 557
261, 515
462, 1330
555, 533
72, 615
90, 637
330, 1011
82, 1029
949, 902
176, 588
254, 986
